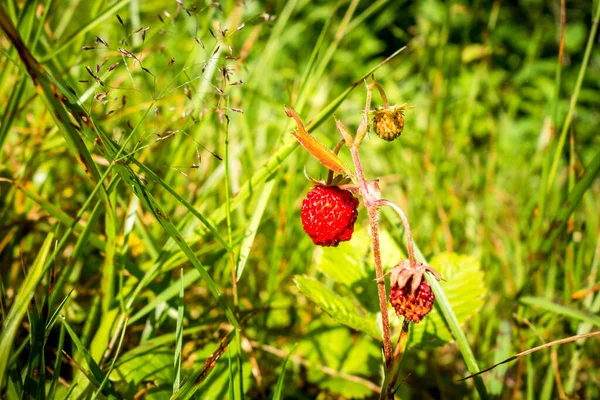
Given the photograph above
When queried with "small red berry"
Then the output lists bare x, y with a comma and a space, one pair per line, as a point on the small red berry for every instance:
328, 215
412, 306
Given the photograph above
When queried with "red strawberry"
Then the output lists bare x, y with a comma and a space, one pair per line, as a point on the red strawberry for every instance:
329, 214
412, 306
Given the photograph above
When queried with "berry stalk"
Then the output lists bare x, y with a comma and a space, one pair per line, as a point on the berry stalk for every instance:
370, 195
409, 239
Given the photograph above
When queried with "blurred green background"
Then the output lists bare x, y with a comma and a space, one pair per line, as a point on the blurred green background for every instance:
194, 92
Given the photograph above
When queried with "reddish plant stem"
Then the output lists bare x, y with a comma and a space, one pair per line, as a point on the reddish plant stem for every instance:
374, 222
398, 353
384, 99
409, 238
371, 197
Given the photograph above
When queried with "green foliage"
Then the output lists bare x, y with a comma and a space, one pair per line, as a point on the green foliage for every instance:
150, 194
351, 266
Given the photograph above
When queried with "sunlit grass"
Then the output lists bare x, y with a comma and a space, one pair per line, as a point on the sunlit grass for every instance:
150, 193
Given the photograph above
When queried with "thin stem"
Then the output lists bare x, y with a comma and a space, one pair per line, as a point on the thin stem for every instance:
364, 124
384, 99
387, 389
370, 198
359, 173
385, 323
409, 238
574, 98
337, 149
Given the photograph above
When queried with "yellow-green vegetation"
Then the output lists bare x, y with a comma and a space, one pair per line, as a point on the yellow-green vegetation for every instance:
150, 192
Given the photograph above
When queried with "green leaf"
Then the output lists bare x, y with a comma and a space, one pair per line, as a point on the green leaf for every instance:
340, 308
351, 264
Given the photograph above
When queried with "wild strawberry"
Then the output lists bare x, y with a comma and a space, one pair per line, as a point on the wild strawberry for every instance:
412, 306
328, 215
388, 123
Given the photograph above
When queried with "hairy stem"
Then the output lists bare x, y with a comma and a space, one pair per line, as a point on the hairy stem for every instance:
384, 99
364, 124
385, 323
370, 197
409, 239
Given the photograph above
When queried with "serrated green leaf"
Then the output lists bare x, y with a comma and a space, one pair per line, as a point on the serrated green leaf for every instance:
351, 264
339, 308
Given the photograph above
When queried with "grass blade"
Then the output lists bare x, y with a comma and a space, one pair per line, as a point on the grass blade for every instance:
279, 385
97, 374
250, 234
179, 336
442, 302
22, 301
560, 221
552, 307
195, 380
575, 96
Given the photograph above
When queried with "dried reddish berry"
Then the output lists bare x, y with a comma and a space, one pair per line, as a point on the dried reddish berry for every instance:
412, 306
329, 214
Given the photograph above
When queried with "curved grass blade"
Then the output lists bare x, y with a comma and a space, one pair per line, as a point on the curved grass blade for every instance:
552, 307
97, 376
179, 336
194, 381
22, 301
112, 364
250, 234
575, 96
184, 202
57, 213
57, 364
441, 302
533, 350
279, 386
167, 294
560, 221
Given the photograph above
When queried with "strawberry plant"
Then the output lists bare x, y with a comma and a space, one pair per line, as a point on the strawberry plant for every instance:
329, 214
